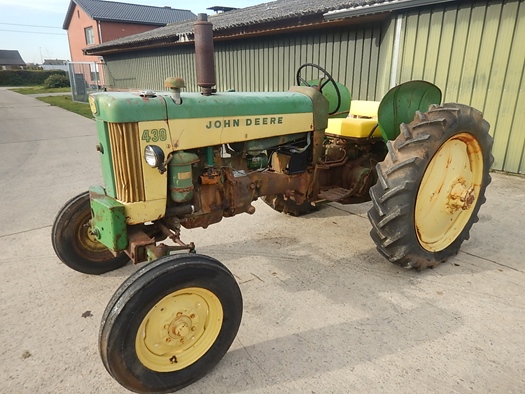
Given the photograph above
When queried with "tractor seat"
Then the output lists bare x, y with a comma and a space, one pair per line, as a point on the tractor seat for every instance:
359, 123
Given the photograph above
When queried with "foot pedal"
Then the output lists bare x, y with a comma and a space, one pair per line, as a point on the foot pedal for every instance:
335, 194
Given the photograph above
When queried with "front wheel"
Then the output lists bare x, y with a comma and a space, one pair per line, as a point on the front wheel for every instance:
170, 323
431, 186
74, 244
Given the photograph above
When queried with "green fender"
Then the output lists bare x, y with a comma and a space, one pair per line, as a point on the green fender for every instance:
401, 103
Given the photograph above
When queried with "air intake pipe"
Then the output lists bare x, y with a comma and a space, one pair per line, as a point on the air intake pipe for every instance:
204, 60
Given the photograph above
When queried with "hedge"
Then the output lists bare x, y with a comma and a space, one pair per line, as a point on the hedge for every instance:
26, 77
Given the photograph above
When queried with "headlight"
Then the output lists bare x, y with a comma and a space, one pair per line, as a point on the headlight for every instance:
153, 155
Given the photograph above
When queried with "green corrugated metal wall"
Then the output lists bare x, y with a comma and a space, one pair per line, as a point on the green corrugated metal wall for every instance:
475, 53
260, 64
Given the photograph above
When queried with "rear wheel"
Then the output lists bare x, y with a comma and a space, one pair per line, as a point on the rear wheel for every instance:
170, 323
74, 244
431, 186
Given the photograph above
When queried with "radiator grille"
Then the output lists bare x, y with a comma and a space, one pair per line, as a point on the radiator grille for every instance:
127, 161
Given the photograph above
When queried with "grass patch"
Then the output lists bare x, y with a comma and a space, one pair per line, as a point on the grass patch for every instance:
66, 103
40, 89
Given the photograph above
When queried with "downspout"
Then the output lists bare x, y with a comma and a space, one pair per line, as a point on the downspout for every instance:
397, 45
99, 73
99, 33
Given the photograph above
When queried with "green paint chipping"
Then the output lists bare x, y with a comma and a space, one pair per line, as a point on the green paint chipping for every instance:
119, 107
401, 103
180, 176
106, 161
196, 106
109, 220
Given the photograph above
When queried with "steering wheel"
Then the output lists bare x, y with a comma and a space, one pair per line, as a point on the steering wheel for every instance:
329, 79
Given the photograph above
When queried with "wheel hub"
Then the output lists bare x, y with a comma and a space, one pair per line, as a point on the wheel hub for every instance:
448, 191
179, 329
461, 196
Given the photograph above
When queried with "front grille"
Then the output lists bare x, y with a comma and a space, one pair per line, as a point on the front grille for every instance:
127, 161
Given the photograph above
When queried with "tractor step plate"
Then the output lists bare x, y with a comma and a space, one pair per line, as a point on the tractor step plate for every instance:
334, 194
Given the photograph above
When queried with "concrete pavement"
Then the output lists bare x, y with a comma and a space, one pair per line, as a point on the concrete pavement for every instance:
324, 312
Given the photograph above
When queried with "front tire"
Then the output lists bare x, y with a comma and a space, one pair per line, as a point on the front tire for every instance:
75, 246
170, 323
431, 186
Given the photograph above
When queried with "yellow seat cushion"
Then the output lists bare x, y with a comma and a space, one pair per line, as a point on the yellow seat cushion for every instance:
364, 109
360, 122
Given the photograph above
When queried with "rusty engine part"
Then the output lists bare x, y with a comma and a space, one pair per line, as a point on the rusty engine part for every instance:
347, 169
204, 60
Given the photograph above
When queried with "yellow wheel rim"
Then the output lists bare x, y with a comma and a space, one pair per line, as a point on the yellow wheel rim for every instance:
448, 192
179, 329
86, 239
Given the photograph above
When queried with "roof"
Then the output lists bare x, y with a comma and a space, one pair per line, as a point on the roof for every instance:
262, 17
220, 8
10, 58
54, 62
112, 11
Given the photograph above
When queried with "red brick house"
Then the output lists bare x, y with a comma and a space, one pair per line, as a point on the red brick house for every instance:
92, 22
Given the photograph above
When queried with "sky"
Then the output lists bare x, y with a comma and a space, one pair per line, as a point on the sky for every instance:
34, 27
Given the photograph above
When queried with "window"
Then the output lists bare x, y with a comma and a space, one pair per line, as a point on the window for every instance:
90, 38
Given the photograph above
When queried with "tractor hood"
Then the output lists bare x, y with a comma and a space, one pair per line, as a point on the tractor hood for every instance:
120, 107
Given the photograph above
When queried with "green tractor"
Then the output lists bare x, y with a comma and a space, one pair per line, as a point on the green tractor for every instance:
173, 160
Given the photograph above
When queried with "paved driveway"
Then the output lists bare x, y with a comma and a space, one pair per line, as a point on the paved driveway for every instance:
324, 313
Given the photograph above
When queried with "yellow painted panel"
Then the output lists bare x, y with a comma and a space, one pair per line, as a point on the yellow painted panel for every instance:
155, 133
141, 212
198, 133
353, 127
364, 108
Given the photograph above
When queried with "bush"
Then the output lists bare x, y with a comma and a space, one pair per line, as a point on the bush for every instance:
26, 77
56, 81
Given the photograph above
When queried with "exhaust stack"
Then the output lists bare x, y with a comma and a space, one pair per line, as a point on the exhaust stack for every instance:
204, 60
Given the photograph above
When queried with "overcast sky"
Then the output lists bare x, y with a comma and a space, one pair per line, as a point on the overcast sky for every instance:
45, 39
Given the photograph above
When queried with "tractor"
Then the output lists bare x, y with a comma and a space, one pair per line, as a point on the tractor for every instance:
173, 160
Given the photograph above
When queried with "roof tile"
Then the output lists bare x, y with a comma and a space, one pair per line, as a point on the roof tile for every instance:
132, 13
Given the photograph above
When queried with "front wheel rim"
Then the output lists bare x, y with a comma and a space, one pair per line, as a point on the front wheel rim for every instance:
179, 329
448, 192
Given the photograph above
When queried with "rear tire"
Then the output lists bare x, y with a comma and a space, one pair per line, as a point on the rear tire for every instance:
75, 246
170, 323
431, 186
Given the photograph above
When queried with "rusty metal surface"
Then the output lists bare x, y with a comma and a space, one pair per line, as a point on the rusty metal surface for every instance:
204, 59
348, 164
235, 194
138, 241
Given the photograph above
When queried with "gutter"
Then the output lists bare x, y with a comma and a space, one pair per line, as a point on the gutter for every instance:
224, 34
380, 7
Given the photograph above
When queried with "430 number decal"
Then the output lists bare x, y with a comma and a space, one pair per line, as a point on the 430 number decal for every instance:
154, 135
